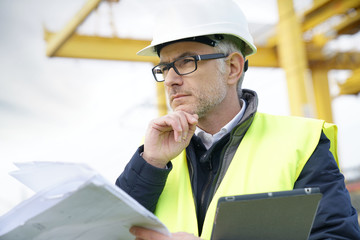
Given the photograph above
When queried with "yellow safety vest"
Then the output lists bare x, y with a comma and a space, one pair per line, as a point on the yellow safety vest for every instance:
270, 157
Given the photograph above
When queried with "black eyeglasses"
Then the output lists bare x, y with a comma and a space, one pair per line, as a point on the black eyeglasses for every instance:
183, 66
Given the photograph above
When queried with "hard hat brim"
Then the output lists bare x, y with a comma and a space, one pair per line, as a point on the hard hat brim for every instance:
151, 49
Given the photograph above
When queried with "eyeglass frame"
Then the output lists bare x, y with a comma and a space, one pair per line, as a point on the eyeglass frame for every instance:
197, 58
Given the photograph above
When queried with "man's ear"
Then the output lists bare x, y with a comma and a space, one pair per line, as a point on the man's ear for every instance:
236, 63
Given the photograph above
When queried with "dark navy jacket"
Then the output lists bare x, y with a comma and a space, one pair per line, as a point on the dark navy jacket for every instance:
335, 219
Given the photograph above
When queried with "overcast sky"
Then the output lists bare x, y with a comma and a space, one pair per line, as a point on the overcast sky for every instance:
96, 112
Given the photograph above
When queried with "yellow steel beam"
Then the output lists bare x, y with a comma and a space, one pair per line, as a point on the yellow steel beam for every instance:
317, 4
292, 56
265, 57
337, 60
325, 9
310, 14
322, 93
352, 84
60, 38
350, 24
94, 47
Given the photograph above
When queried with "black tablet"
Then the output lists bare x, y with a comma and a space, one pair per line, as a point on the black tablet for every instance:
273, 215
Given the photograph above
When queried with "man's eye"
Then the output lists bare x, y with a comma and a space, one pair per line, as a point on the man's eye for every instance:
185, 61
164, 68
158, 71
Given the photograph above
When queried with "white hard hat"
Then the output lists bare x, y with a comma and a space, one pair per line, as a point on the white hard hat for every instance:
183, 19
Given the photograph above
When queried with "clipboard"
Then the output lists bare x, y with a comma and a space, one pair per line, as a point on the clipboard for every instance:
273, 215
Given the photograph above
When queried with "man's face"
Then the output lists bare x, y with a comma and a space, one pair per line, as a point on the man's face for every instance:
199, 92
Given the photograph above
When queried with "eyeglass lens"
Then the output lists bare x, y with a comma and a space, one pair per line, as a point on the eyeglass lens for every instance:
182, 66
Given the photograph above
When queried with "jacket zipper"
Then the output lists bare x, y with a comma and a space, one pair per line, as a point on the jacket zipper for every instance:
205, 190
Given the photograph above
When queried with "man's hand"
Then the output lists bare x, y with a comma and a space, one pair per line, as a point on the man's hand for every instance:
167, 136
147, 234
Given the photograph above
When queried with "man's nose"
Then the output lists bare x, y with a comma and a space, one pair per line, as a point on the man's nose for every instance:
172, 78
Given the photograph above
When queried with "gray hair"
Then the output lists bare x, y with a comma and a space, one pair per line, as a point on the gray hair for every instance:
229, 45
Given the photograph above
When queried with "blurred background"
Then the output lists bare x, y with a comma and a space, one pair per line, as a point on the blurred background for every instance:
72, 88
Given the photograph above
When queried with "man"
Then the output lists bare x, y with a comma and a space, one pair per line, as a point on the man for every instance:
215, 143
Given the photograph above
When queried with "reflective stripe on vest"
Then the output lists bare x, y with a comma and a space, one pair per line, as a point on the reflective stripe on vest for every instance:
270, 157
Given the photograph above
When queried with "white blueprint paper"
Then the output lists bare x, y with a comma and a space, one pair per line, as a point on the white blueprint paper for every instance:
81, 206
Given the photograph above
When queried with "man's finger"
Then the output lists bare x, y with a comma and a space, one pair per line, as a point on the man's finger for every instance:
147, 234
184, 123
